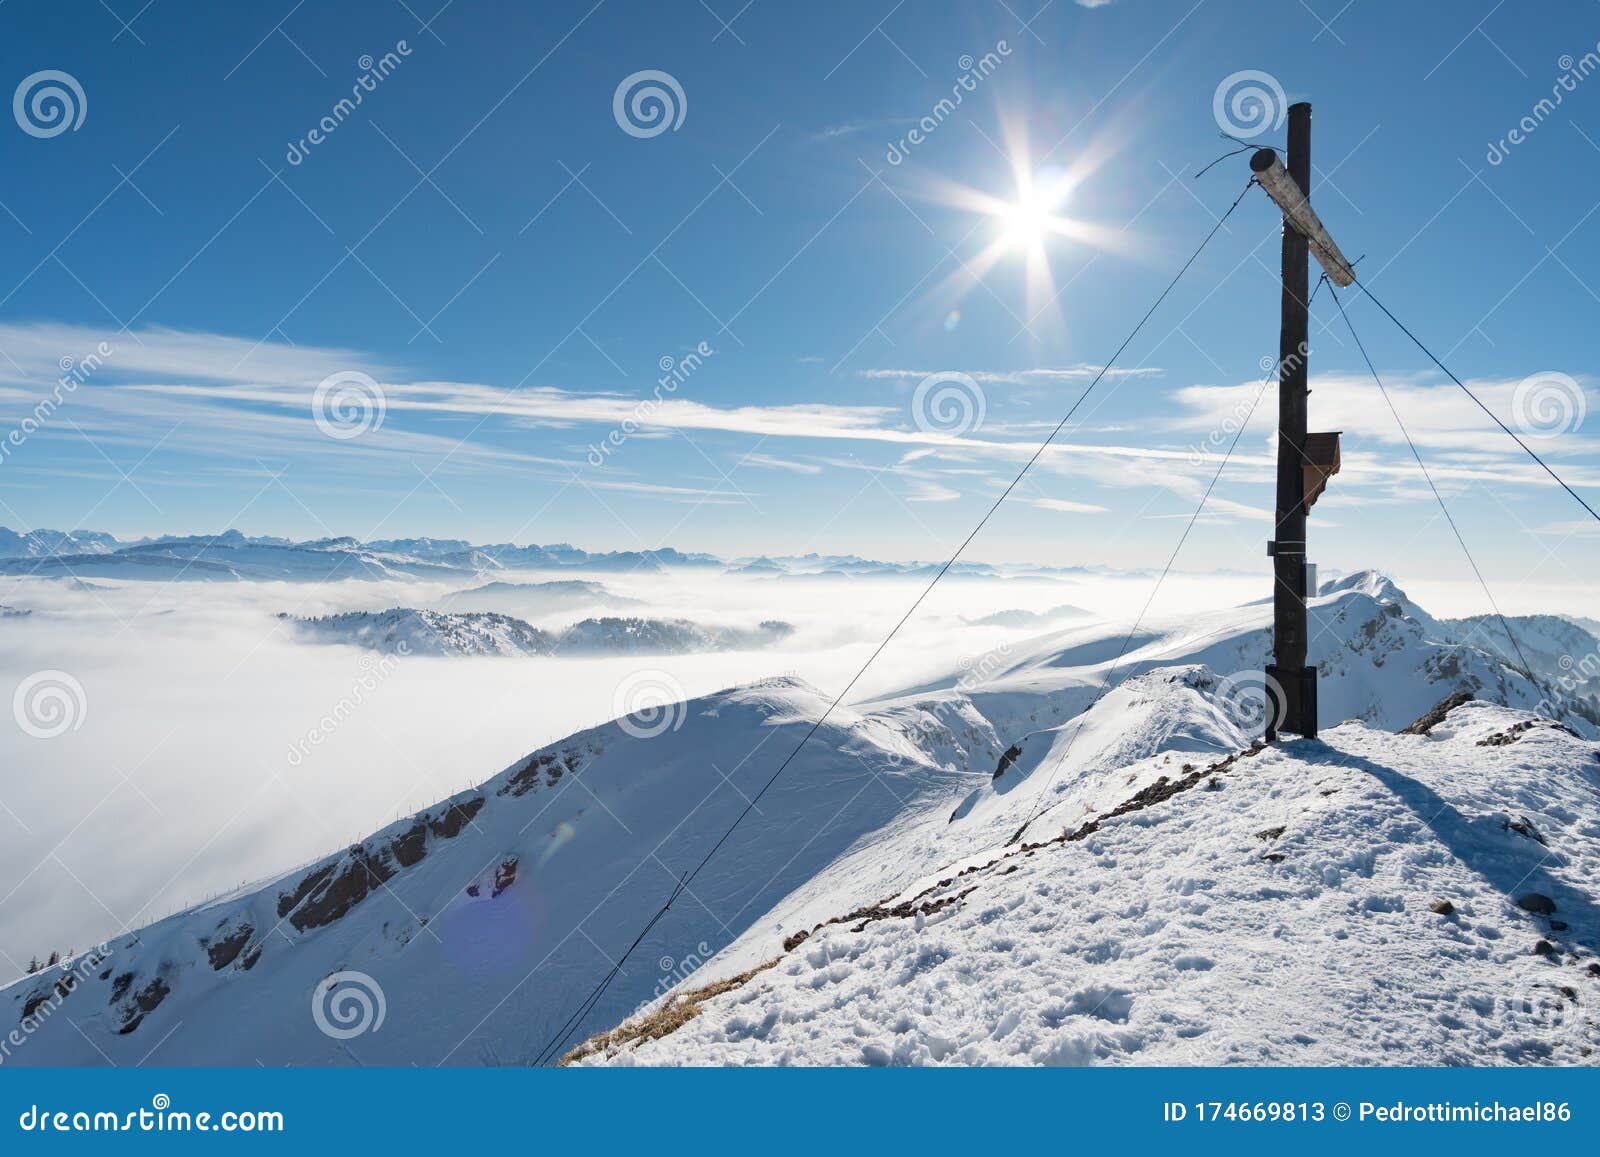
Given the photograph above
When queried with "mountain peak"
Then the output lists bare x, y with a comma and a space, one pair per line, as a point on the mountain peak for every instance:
1368, 582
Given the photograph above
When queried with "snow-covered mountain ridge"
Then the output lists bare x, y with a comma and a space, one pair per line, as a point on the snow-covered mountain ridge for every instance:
487, 918
1365, 898
409, 631
1564, 650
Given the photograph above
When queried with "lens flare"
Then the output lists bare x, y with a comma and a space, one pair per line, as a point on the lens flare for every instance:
1029, 223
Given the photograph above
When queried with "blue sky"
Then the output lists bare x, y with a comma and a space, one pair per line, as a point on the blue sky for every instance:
508, 268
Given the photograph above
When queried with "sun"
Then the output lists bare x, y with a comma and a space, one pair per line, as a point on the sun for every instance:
1032, 218
1024, 224
1035, 222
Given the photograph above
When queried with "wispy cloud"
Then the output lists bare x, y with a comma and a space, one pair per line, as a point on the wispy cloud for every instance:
1220, 509
1457, 440
769, 462
32, 353
1564, 529
1436, 414
855, 128
1108, 463
1066, 505
1080, 372
219, 396
926, 490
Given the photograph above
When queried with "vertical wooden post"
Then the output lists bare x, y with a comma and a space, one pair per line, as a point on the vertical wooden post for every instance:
1289, 681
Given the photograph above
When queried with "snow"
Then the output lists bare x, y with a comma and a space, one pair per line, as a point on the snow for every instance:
1565, 649
228, 561
1186, 930
617, 636
42, 543
1196, 932
596, 830
1382, 659
409, 631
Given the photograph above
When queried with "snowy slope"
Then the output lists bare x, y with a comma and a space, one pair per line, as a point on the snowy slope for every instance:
1159, 723
485, 920
1277, 911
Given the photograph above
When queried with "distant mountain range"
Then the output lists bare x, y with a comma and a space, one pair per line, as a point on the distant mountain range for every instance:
510, 598
1021, 618
232, 557
409, 631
